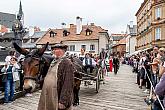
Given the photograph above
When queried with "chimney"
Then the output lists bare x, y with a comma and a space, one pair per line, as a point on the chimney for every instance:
92, 24
71, 25
131, 24
63, 25
78, 24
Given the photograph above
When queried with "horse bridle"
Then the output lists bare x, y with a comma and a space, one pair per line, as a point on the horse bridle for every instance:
38, 74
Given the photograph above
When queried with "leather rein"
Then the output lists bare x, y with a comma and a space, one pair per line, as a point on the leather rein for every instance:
38, 74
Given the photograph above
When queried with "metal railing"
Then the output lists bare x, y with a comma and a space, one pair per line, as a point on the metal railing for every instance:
153, 89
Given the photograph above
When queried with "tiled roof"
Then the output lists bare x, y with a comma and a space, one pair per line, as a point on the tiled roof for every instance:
122, 41
9, 35
72, 36
117, 37
35, 35
7, 19
8, 42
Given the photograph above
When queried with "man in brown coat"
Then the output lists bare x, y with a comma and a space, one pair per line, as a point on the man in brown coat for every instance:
57, 91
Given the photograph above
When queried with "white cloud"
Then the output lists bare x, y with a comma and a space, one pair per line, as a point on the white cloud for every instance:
113, 15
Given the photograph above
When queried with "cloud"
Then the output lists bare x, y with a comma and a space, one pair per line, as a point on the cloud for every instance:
113, 15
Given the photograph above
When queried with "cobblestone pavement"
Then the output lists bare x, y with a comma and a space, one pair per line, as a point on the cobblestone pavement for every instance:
118, 93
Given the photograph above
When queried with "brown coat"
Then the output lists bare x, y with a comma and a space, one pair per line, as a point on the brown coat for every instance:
58, 86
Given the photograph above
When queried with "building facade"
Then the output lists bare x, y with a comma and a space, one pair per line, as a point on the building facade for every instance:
131, 32
7, 19
120, 48
151, 24
92, 38
118, 44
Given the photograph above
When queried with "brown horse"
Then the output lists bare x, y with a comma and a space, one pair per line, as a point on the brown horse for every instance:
36, 65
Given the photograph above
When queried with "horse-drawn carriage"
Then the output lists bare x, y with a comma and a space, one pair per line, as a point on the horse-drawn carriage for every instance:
95, 77
40, 62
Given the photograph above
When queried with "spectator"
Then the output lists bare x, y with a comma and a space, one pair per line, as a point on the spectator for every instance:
11, 69
160, 87
11, 53
142, 70
89, 62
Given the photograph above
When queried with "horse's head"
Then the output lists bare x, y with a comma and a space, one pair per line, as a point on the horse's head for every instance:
31, 65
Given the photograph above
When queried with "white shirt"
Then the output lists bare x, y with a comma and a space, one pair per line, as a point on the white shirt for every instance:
88, 60
7, 59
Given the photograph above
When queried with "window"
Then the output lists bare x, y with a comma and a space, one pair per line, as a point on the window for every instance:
52, 34
92, 47
72, 48
158, 13
88, 32
66, 33
83, 47
157, 33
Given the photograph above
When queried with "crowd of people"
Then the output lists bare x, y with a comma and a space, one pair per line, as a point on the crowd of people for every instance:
150, 69
12, 70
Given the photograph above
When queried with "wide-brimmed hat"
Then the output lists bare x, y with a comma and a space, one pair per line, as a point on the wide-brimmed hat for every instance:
59, 45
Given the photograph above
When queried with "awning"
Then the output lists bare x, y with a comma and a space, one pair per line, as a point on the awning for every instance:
136, 52
146, 49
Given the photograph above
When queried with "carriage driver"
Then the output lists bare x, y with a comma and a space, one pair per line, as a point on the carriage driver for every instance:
57, 91
89, 62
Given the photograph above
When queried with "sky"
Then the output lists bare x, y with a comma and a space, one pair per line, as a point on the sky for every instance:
112, 15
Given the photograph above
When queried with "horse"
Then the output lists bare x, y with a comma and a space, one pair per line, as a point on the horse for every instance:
77, 77
36, 65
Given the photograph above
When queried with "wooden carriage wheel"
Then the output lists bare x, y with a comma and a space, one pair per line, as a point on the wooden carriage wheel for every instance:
98, 80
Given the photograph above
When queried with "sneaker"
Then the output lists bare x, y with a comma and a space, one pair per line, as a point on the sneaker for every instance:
7, 102
148, 101
28, 95
146, 91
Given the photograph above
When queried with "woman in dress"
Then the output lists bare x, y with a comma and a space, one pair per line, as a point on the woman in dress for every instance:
110, 64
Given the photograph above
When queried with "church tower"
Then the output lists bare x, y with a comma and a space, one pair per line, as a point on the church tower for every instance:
20, 12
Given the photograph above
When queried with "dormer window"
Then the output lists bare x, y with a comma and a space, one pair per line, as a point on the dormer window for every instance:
66, 33
88, 32
52, 34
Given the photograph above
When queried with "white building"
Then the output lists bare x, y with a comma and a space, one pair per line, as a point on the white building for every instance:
90, 37
131, 32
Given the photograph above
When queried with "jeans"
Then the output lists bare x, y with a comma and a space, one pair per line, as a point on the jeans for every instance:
9, 88
154, 79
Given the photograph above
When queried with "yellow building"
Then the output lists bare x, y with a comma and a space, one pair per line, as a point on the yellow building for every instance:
151, 24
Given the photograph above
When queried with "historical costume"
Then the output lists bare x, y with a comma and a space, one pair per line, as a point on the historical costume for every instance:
89, 62
116, 64
58, 85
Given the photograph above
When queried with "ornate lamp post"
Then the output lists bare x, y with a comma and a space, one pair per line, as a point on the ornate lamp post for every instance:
18, 30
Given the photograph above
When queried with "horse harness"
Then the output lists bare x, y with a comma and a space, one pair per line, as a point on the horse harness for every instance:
38, 74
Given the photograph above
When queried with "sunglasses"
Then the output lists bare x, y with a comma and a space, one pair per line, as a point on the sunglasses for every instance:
12, 59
